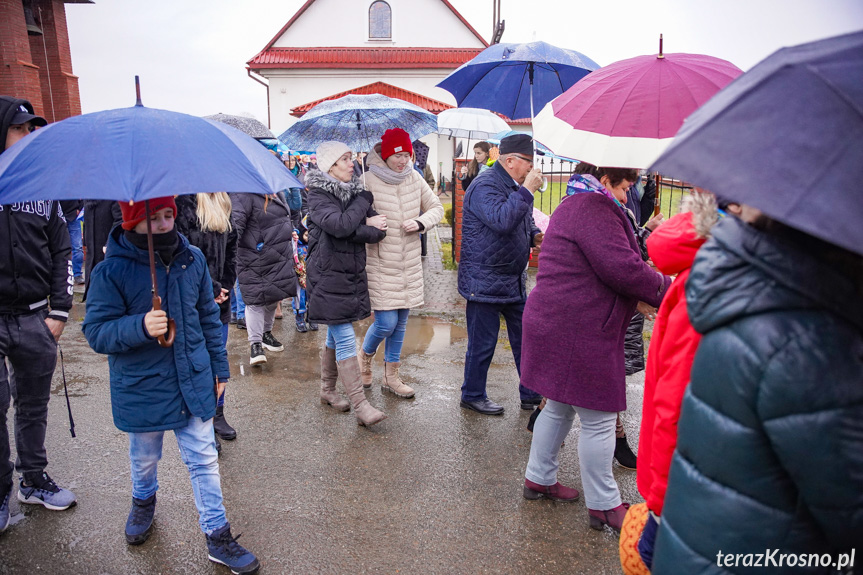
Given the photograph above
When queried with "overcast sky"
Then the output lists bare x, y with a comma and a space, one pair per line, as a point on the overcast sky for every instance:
191, 54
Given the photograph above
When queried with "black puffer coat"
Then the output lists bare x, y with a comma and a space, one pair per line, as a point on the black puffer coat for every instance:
770, 439
265, 255
220, 249
337, 287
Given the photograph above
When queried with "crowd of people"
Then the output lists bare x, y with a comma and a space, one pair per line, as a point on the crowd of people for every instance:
734, 415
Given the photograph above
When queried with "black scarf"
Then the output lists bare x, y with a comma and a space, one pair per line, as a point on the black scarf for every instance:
166, 245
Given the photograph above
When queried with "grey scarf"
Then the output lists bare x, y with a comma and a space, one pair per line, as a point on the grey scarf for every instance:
390, 177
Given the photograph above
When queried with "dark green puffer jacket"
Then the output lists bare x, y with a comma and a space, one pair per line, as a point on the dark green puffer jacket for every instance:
770, 441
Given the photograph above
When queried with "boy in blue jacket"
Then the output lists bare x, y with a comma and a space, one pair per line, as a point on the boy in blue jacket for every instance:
156, 388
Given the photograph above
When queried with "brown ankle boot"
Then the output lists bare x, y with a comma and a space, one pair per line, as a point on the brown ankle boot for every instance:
329, 377
393, 383
349, 370
366, 367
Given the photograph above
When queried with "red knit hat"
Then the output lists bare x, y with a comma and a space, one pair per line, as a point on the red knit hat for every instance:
133, 214
395, 140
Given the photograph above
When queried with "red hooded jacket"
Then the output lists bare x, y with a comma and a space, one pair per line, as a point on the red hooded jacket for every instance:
672, 247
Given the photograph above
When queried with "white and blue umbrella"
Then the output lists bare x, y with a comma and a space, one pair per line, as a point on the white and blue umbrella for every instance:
358, 121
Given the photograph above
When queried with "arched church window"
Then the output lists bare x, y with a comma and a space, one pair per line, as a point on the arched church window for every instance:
380, 20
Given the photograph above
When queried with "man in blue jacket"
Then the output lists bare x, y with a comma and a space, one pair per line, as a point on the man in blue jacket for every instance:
497, 235
35, 298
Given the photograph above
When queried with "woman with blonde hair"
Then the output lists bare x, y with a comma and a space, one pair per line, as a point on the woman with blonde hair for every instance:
205, 220
394, 265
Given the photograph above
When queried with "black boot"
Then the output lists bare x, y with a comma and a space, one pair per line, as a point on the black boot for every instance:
222, 427
624, 455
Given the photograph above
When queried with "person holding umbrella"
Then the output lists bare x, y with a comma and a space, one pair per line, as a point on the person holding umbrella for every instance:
591, 279
35, 299
394, 265
341, 223
155, 387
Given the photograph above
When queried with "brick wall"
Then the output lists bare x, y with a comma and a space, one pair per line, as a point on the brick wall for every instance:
25, 72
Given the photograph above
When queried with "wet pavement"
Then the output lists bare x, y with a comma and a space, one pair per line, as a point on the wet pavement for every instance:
433, 489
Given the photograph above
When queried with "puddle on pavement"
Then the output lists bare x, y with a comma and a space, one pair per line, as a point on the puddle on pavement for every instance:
424, 336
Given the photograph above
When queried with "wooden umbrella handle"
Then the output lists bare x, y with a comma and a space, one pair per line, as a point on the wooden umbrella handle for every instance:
165, 340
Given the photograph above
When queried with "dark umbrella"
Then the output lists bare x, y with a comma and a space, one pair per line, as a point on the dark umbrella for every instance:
249, 126
136, 154
786, 138
421, 153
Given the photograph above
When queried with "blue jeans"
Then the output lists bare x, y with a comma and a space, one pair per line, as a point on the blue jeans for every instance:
341, 338
389, 325
77, 241
238, 306
483, 325
198, 450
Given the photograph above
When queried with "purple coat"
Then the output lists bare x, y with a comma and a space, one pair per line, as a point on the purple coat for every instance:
590, 280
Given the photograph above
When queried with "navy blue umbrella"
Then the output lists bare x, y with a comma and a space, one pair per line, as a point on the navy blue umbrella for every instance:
516, 79
786, 138
137, 154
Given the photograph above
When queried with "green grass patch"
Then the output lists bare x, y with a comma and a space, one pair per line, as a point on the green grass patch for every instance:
446, 256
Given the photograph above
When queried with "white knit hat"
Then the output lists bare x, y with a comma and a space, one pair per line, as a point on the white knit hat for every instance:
329, 153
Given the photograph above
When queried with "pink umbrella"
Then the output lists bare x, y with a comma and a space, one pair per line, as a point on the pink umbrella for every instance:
627, 113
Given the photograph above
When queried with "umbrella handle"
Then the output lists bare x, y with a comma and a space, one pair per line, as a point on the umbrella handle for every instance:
167, 339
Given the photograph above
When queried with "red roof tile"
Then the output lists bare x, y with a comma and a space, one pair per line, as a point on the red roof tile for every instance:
308, 3
385, 89
362, 58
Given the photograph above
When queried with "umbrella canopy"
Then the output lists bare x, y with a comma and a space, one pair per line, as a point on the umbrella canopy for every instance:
786, 138
470, 123
136, 154
358, 121
250, 126
516, 79
626, 113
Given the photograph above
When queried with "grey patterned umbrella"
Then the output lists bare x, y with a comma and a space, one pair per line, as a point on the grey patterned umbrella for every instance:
249, 126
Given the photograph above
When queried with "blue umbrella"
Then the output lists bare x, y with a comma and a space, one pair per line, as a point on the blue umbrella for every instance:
516, 79
135, 154
786, 138
358, 121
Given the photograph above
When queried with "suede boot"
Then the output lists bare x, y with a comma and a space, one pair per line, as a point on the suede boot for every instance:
393, 383
329, 377
349, 370
366, 367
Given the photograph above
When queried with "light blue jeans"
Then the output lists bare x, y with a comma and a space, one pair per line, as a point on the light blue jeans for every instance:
198, 451
595, 451
341, 338
389, 325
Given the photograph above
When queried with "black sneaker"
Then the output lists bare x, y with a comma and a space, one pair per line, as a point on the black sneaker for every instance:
312, 325
222, 547
140, 522
241, 323
257, 356
271, 343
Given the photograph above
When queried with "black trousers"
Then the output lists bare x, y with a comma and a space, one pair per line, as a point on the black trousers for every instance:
28, 356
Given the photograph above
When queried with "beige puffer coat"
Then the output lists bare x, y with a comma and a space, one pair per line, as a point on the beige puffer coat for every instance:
394, 266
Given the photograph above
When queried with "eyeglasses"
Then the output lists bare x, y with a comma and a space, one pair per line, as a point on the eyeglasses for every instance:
530, 160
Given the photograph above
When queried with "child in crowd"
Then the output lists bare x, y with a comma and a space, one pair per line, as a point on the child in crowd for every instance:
156, 387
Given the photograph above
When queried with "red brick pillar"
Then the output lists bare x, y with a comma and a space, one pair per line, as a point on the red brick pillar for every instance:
60, 96
19, 75
459, 202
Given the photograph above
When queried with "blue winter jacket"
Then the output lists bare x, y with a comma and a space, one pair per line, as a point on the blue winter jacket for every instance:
769, 458
155, 388
497, 234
